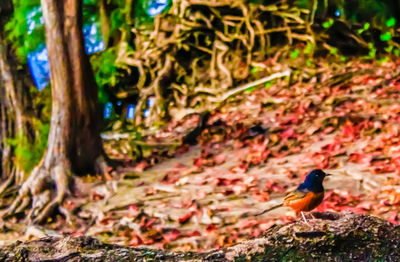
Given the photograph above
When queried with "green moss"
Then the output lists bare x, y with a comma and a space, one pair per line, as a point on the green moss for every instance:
149, 253
241, 258
28, 153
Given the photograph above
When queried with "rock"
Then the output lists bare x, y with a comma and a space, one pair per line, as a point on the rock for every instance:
329, 237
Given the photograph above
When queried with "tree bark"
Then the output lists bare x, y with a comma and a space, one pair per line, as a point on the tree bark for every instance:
329, 237
74, 142
13, 121
75, 128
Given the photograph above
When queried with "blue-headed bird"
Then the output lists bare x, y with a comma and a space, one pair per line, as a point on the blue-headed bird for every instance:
307, 196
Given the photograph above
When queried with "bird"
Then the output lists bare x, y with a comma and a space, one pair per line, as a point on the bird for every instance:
307, 196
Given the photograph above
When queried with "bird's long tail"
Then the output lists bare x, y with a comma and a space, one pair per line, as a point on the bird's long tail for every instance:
248, 214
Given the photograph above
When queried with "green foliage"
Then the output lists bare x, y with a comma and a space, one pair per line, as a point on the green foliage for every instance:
328, 23
90, 11
118, 16
141, 16
254, 70
365, 28
295, 53
372, 51
25, 39
309, 48
106, 71
27, 154
386, 36
391, 22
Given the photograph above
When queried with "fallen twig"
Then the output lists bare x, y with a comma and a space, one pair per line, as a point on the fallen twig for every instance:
253, 84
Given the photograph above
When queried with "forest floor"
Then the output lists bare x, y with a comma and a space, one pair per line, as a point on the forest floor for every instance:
255, 148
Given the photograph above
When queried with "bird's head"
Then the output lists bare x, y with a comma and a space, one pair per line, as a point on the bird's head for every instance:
314, 180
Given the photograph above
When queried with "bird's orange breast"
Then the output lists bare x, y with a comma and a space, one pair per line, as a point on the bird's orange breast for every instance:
306, 203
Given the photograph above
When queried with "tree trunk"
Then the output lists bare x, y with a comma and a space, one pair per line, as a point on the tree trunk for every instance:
105, 21
74, 142
13, 121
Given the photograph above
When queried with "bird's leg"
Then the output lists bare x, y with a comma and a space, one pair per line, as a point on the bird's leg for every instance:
313, 217
305, 220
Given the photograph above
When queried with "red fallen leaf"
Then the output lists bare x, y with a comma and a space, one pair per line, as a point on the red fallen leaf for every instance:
396, 159
334, 148
220, 181
227, 192
183, 149
171, 235
380, 91
286, 219
150, 222
141, 166
329, 130
170, 178
364, 206
272, 186
288, 133
390, 197
242, 168
292, 119
256, 232
148, 241
261, 196
381, 162
132, 209
150, 191
360, 158
268, 184
193, 234
394, 219
96, 196
201, 194
185, 218
77, 234
239, 189
135, 241
222, 209
369, 80
69, 205
311, 130
179, 166
384, 202
322, 160
219, 159
248, 223
383, 169
211, 227
238, 144
198, 162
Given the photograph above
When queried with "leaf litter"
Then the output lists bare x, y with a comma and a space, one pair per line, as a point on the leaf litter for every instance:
254, 150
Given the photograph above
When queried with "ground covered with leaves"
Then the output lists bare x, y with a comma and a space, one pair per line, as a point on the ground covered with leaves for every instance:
257, 146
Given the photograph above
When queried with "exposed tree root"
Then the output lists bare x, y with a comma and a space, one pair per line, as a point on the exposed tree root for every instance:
36, 190
45, 190
213, 49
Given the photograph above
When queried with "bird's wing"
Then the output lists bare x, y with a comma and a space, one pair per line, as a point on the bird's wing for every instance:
296, 194
303, 200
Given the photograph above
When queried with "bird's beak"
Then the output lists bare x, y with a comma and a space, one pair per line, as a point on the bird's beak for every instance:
328, 174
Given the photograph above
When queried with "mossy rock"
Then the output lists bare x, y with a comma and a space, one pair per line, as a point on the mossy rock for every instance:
328, 237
